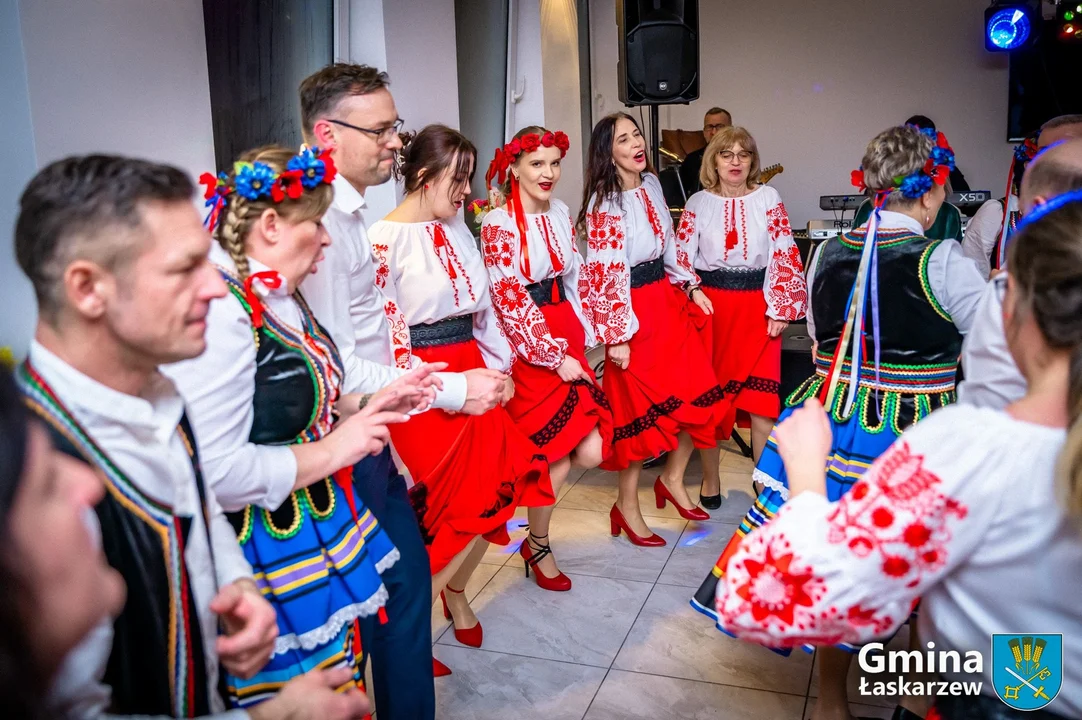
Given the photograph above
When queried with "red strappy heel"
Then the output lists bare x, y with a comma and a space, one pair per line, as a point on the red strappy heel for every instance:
560, 583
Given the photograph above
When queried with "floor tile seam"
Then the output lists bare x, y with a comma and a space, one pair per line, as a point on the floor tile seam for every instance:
597, 692
526, 657
711, 682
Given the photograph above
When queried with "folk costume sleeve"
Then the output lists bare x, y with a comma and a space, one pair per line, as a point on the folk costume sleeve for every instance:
687, 239
851, 571
518, 315
785, 287
605, 284
387, 273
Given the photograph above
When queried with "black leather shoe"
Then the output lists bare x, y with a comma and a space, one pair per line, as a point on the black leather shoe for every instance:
710, 502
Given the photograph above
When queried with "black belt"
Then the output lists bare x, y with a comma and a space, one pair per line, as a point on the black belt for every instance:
647, 272
445, 332
541, 292
733, 278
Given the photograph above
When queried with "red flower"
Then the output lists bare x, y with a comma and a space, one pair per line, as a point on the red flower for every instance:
509, 294
329, 169
941, 174
895, 566
881, 517
941, 141
548, 139
561, 141
917, 535
513, 148
773, 589
211, 181
857, 178
530, 142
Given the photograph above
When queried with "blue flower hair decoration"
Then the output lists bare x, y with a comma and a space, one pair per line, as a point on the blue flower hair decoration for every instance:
936, 170
315, 167
253, 180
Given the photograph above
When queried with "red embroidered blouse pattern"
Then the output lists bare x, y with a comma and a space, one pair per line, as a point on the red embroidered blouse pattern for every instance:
400, 333
524, 325
605, 286
604, 232
496, 246
684, 235
787, 294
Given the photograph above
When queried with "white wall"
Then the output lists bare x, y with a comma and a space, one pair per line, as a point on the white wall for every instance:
16, 327
560, 51
118, 76
814, 82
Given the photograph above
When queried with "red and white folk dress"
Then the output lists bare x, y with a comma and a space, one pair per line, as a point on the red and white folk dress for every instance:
631, 292
535, 291
469, 472
743, 251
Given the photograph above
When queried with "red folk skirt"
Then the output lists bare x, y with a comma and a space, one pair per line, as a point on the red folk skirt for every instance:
746, 360
557, 415
668, 387
470, 472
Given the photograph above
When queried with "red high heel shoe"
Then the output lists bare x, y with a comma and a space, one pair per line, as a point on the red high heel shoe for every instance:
618, 523
470, 636
439, 669
560, 583
661, 494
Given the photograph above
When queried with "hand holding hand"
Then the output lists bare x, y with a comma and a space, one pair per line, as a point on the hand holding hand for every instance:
484, 388
699, 298
251, 627
312, 696
804, 439
620, 355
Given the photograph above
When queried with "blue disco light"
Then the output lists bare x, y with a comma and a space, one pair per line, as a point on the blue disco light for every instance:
1007, 28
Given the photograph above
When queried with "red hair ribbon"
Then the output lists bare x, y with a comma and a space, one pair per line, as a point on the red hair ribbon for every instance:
272, 281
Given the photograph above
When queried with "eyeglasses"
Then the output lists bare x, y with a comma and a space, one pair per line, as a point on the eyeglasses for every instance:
743, 156
381, 135
716, 127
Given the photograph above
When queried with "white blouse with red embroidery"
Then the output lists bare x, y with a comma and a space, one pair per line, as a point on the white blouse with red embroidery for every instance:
630, 229
433, 271
549, 252
750, 232
961, 511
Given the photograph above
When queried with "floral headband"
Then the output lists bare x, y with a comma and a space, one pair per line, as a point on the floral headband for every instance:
936, 170
305, 171
505, 156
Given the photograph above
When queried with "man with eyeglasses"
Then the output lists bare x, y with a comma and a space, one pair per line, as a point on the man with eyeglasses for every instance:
991, 377
716, 119
349, 110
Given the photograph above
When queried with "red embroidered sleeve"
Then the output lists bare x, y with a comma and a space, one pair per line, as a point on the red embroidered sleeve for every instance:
497, 247
851, 571
605, 282
524, 325
401, 348
687, 244
786, 289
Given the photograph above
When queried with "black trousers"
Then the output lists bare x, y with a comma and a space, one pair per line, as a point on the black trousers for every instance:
401, 648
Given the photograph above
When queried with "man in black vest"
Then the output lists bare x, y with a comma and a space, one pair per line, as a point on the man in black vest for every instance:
118, 259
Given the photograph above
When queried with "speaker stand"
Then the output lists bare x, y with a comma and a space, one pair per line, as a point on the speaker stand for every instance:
655, 150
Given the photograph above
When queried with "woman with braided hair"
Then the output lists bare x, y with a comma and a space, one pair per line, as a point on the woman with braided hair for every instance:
470, 472
888, 310
534, 265
976, 511
278, 438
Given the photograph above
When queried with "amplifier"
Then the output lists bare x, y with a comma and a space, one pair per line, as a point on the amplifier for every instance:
819, 230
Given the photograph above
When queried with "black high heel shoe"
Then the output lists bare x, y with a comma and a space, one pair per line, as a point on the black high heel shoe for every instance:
710, 502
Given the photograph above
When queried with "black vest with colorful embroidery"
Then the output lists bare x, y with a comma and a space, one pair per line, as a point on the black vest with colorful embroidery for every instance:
156, 665
297, 380
919, 344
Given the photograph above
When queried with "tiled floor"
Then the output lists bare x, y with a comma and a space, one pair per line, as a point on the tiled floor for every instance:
623, 644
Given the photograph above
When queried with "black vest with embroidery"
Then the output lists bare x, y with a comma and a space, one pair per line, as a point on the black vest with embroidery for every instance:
156, 665
919, 344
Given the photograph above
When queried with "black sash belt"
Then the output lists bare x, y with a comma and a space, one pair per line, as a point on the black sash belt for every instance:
541, 292
445, 332
647, 272
733, 278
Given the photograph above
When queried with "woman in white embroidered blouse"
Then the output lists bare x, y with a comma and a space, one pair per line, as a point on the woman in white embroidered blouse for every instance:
658, 380
976, 511
738, 237
534, 265
470, 473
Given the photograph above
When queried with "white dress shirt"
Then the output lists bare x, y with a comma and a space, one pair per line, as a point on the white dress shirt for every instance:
764, 241
992, 379
955, 282
548, 235
983, 232
139, 434
961, 511
348, 304
427, 282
